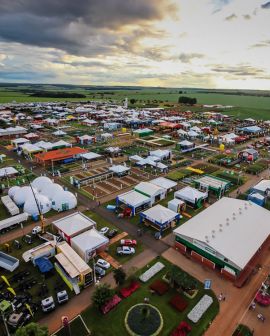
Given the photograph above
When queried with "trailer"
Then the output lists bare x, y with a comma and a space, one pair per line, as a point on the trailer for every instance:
10, 205
8, 262
15, 220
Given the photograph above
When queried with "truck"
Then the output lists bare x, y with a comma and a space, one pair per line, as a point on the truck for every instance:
48, 304
62, 296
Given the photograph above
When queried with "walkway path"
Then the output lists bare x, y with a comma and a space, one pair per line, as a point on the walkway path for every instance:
82, 301
252, 180
233, 310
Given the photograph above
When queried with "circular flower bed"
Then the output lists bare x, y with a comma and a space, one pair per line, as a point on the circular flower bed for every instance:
143, 320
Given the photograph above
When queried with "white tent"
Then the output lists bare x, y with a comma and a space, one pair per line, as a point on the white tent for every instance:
40, 182
44, 204
64, 200
159, 214
90, 156
190, 194
12, 191
163, 182
119, 169
8, 171
175, 204
51, 190
22, 194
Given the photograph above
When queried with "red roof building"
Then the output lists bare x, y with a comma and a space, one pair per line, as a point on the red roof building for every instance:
59, 155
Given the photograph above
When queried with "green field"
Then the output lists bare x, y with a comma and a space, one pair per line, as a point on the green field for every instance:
246, 103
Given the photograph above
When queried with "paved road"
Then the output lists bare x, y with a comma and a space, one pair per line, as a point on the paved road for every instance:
80, 302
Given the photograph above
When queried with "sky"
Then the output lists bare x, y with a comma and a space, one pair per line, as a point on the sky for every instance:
170, 43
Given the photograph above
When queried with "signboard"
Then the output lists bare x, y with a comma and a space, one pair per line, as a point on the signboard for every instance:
207, 284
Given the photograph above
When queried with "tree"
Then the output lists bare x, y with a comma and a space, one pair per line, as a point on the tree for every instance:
32, 329
119, 276
187, 100
102, 294
132, 101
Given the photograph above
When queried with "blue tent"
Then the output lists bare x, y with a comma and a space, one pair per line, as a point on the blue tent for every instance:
44, 264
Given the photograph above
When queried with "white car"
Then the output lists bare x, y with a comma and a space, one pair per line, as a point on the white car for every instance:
103, 263
122, 250
104, 230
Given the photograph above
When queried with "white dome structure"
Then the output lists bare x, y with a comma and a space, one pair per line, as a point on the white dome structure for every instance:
51, 190
40, 182
30, 206
64, 200
22, 194
12, 191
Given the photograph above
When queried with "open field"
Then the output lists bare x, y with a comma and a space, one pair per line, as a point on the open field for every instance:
246, 103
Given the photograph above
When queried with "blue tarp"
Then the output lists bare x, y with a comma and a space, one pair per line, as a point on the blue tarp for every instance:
252, 129
44, 264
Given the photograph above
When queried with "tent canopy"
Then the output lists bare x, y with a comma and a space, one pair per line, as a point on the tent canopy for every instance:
160, 215
44, 264
190, 194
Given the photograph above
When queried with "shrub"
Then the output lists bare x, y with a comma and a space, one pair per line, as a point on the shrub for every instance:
160, 287
178, 303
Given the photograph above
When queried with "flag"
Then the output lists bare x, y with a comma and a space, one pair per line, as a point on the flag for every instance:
29, 308
11, 290
5, 280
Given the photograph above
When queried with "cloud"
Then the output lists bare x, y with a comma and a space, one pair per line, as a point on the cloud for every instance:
266, 5
82, 27
261, 44
187, 58
241, 70
246, 16
231, 17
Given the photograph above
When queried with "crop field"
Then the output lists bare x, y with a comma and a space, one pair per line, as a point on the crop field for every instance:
244, 104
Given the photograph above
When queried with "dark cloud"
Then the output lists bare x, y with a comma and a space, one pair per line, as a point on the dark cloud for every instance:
231, 17
266, 5
241, 70
24, 76
187, 58
82, 27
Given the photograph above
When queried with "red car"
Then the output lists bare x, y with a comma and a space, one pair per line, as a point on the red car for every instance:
128, 242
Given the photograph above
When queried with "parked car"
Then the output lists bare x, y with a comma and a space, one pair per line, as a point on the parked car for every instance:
62, 296
123, 250
104, 230
103, 264
112, 233
100, 271
128, 242
48, 304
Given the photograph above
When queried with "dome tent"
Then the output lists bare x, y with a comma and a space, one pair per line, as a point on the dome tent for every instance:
64, 200
31, 208
22, 194
12, 191
51, 190
40, 182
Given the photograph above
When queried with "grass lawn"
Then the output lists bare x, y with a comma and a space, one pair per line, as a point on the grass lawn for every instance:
101, 222
76, 328
113, 323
